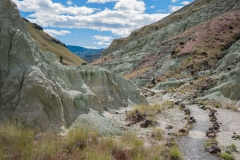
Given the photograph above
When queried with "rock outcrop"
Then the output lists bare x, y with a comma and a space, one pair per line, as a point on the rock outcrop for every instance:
35, 89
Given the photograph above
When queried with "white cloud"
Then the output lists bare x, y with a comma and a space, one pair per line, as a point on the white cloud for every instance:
126, 16
160, 11
174, 8
50, 8
173, 1
103, 38
185, 2
100, 1
69, 2
103, 44
56, 33
152, 7
130, 6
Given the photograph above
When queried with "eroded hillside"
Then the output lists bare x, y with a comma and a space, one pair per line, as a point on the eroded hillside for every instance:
180, 49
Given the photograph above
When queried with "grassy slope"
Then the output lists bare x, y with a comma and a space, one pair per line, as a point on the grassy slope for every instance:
46, 44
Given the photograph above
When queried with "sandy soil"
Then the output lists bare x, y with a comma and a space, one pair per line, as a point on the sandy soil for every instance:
229, 123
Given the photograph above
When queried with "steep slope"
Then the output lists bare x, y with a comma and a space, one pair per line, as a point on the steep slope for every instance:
87, 54
184, 49
35, 89
48, 43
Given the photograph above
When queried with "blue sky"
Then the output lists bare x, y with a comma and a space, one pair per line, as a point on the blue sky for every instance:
95, 23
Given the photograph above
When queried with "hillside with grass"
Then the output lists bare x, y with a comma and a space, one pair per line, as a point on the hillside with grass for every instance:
48, 43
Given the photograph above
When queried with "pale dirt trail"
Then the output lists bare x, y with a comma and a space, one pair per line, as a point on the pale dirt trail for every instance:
192, 145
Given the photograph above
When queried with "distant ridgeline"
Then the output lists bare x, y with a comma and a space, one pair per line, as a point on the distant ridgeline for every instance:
86, 54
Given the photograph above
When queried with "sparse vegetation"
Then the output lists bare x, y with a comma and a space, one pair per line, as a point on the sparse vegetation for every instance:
233, 146
210, 142
214, 103
200, 102
231, 106
18, 142
84, 63
148, 110
167, 104
175, 154
157, 134
227, 156
61, 59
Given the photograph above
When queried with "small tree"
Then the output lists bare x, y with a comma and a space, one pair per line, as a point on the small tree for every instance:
61, 59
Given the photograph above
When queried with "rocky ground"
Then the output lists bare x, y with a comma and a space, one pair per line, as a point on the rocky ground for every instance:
201, 131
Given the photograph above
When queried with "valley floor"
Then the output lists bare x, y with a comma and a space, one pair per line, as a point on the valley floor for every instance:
194, 143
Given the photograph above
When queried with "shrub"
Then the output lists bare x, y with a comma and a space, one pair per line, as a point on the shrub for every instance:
227, 156
167, 104
149, 110
61, 59
233, 146
174, 154
157, 134
84, 63
130, 138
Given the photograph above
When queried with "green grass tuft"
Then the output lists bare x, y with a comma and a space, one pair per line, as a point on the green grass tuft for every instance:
175, 154
227, 156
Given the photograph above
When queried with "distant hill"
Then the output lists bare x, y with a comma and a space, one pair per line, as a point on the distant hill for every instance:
86, 54
51, 44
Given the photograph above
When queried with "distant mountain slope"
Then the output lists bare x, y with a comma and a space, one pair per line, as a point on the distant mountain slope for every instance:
86, 54
51, 44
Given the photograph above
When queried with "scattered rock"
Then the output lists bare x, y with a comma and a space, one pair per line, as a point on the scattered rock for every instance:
177, 103
183, 131
187, 111
195, 96
169, 127
182, 105
191, 120
146, 123
172, 134
213, 149
128, 125
236, 137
